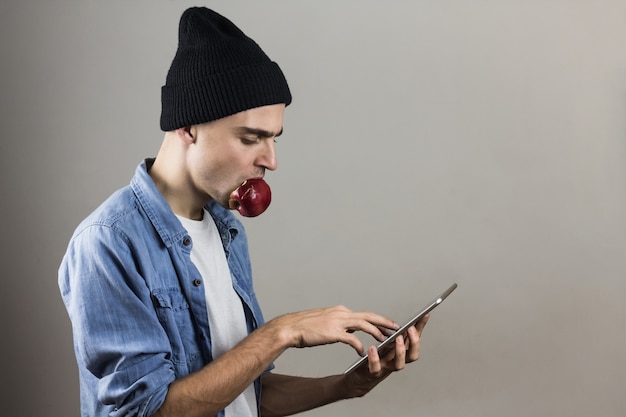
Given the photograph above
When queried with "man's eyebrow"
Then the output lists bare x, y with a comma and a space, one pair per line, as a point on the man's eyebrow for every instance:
260, 133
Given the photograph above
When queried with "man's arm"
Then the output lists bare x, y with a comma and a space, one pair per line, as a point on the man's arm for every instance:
213, 387
285, 395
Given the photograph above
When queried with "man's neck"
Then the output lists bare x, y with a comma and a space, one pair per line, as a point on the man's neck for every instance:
175, 191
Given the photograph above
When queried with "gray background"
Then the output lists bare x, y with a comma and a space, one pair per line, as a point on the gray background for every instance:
429, 142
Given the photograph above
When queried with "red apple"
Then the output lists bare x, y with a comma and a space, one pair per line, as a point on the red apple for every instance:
251, 198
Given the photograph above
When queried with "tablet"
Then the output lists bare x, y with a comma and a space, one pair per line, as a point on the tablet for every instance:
385, 344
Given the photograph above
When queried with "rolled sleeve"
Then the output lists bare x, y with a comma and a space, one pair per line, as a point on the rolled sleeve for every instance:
119, 343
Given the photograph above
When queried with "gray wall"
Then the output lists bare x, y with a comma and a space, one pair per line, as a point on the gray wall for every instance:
480, 142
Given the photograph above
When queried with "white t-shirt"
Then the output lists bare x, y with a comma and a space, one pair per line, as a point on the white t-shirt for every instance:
227, 320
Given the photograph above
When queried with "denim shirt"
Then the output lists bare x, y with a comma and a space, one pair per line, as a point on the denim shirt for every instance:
137, 302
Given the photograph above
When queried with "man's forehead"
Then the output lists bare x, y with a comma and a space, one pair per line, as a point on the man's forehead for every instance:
264, 121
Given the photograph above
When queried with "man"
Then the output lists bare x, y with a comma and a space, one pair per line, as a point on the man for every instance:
157, 281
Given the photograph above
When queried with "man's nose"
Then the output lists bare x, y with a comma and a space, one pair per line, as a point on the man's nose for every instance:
267, 158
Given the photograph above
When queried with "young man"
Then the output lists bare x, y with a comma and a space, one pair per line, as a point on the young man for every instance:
157, 281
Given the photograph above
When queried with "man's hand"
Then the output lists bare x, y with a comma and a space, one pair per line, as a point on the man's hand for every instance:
331, 325
406, 350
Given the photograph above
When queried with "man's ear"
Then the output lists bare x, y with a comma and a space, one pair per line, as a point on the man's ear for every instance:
186, 134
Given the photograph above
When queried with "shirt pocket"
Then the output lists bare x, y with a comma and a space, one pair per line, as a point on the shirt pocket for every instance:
176, 317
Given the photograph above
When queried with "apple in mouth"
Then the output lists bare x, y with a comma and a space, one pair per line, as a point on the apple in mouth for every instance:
251, 198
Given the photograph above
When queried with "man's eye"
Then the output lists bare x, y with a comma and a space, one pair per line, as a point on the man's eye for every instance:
250, 141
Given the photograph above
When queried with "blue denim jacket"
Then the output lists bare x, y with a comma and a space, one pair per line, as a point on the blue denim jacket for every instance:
137, 302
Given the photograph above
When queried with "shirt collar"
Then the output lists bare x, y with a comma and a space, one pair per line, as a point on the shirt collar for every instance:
162, 217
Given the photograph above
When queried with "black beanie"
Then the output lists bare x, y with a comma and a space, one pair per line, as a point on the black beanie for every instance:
217, 71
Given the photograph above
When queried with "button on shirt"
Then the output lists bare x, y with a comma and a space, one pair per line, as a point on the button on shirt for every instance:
137, 307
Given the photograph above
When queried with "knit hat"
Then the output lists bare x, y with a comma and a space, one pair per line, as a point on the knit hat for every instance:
217, 71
